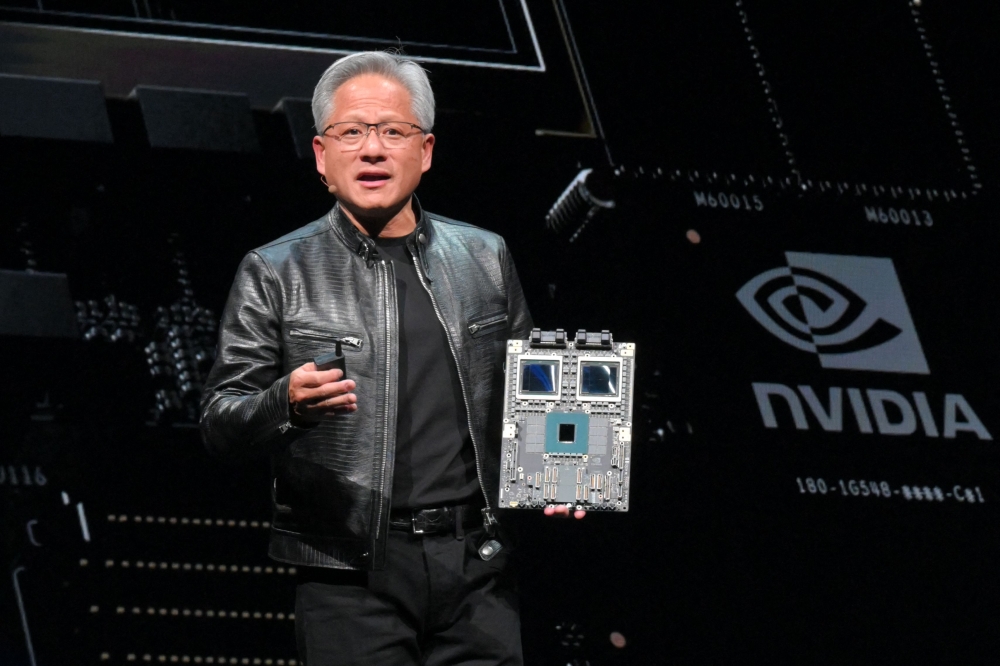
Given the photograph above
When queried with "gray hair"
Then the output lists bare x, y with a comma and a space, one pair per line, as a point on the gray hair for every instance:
402, 70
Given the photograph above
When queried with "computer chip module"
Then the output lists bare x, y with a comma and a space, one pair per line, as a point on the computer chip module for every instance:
567, 421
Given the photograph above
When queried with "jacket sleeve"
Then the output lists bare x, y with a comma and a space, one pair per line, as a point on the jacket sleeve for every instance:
518, 316
244, 409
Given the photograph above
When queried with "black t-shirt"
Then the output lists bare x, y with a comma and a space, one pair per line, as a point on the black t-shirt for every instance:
435, 463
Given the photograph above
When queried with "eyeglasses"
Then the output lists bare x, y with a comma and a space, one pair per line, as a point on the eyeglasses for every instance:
351, 135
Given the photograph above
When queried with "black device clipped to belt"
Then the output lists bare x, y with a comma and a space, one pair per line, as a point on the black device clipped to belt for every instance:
334, 359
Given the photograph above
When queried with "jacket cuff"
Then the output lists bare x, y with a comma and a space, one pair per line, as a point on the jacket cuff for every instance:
279, 422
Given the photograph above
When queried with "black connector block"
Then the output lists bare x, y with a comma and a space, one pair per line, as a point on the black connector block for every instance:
540, 338
600, 340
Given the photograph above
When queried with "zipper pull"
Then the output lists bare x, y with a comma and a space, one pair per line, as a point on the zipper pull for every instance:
489, 521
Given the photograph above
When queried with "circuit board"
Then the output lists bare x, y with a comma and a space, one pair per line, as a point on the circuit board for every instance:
567, 421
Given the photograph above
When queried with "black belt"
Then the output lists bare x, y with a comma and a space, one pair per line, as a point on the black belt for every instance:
438, 520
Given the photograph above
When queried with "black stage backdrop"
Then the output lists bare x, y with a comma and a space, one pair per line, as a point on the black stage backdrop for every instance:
802, 246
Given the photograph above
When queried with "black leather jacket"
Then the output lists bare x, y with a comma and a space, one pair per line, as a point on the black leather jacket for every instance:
290, 301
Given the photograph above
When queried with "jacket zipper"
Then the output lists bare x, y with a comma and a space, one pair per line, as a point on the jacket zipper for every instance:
383, 274
479, 326
465, 396
349, 340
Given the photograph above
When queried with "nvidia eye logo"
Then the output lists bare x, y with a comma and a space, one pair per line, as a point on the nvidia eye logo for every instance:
849, 311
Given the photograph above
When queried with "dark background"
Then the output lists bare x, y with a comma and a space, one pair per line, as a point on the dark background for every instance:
815, 111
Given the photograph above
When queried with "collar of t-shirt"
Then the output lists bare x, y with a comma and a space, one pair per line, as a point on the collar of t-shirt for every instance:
395, 248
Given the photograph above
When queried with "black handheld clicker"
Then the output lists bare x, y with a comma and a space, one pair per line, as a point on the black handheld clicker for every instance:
334, 359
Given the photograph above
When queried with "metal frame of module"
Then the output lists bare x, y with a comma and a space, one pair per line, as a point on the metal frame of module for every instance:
567, 422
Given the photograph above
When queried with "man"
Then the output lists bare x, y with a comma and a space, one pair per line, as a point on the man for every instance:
385, 481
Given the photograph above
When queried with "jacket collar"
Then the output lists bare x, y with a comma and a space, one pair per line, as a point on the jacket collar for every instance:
420, 241
363, 246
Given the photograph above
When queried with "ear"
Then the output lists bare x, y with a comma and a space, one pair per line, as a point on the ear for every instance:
319, 148
427, 153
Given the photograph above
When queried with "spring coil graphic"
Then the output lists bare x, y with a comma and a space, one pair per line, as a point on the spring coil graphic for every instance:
576, 206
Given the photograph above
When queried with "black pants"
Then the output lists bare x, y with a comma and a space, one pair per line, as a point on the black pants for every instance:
435, 603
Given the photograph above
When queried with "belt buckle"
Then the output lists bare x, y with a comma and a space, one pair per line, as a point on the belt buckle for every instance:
413, 522
429, 521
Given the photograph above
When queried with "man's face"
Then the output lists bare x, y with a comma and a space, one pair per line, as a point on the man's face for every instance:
371, 179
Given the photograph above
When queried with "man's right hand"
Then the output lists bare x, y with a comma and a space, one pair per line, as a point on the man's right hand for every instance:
314, 393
